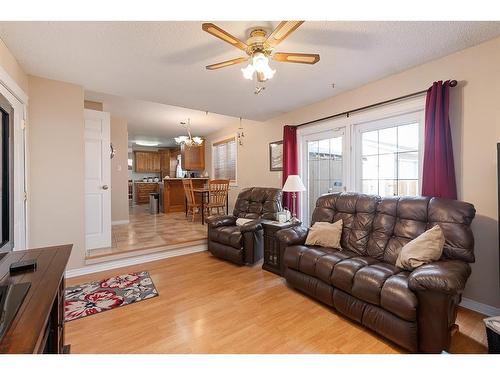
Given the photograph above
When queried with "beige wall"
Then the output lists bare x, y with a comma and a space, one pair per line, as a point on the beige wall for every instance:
11, 66
119, 171
475, 119
56, 166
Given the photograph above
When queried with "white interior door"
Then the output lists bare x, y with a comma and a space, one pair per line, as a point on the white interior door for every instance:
97, 180
324, 167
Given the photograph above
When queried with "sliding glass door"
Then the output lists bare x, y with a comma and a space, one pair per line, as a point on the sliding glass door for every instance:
323, 167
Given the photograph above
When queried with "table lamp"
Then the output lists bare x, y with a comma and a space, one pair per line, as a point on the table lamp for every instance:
293, 184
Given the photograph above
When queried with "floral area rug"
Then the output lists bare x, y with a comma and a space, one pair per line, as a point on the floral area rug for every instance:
98, 296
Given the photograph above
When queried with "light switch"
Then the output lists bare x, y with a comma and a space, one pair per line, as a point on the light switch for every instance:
119, 168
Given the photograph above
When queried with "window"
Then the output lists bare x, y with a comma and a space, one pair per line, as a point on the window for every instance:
389, 156
224, 159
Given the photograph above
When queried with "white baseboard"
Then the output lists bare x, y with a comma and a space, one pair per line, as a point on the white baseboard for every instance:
99, 267
119, 222
480, 307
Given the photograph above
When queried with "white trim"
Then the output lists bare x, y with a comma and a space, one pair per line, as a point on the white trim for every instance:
480, 307
18, 99
8, 82
120, 222
105, 266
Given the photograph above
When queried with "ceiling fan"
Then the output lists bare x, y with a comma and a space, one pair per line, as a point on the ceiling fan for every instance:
259, 49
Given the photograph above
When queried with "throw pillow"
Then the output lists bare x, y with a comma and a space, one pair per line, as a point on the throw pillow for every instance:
325, 234
423, 249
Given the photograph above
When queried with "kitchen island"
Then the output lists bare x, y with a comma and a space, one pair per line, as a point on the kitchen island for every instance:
174, 199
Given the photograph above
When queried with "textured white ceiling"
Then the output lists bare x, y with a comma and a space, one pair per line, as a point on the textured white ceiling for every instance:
165, 62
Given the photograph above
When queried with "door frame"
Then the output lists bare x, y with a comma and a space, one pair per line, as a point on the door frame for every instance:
18, 100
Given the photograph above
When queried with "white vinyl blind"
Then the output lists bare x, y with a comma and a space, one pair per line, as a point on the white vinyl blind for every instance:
224, 159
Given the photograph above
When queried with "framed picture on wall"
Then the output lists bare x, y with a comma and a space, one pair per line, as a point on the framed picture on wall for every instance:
276, 156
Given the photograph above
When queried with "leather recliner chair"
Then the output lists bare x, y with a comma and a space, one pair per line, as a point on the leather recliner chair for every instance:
416, 309
244, 244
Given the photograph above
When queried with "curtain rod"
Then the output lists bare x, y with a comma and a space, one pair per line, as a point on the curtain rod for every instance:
453, 83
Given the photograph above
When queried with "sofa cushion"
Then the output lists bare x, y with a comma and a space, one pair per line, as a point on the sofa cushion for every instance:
397, 297
229, 236
365, 278
424, 249
325, 234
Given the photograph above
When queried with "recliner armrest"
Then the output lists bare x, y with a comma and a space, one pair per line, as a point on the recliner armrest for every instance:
251, 226
292, 236
447, 276
221, 221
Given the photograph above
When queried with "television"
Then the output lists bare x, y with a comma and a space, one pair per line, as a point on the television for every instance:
6, 180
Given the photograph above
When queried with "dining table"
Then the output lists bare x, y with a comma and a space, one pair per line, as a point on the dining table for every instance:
205, 198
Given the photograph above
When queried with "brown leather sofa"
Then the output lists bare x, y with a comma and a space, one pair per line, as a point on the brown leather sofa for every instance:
244, 244
413, 309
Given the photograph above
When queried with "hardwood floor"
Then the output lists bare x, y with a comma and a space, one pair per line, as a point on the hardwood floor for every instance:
146, 231
211, 306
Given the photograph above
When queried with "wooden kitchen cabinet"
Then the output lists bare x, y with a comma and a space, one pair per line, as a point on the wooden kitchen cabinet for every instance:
164, 162
147, 161
142, 190
193, 157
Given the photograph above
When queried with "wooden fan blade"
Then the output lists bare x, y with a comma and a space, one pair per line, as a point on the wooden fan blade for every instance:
223, 35
280, 33
301, 58
227, 63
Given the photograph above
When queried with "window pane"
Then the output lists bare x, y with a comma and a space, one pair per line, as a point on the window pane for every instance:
336, 171
324, 149
408, 187
369, 186
369, 143
336, 148
324, 187
408, 165
387, 187
313, 170
324, 169
408, 138
387, 167
369, 167
312, 150
387, 140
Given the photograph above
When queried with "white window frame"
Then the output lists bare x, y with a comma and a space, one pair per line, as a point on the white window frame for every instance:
218, 140
387, 123
351, 125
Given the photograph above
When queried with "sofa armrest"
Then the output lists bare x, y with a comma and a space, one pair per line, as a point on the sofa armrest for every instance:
220, 221
251, 226
292, 236
447, 277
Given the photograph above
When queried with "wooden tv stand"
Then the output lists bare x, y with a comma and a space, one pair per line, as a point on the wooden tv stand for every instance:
38, 326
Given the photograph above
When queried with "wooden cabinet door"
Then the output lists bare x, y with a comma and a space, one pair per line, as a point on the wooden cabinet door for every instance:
147, 161
193, 157
155, 162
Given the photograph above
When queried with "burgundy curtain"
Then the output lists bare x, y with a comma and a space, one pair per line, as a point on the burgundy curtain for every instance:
438, 179
290, 161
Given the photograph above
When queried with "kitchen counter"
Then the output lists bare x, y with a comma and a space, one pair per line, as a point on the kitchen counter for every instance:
174, 199
186, 178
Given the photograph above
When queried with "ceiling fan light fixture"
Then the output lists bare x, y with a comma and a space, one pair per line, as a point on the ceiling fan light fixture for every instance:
248, 71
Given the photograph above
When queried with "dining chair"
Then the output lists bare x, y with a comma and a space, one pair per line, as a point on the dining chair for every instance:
217, 193
193, 208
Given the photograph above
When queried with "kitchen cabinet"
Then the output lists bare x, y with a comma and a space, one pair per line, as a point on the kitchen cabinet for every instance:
193, 157
142, 190
147, 161
164, 162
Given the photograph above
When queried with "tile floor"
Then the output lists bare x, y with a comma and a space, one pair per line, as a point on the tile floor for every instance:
145, 231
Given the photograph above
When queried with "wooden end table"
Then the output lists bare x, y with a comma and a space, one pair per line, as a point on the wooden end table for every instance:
272, 261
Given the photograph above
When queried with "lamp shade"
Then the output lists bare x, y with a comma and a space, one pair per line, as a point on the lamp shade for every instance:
293, 184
